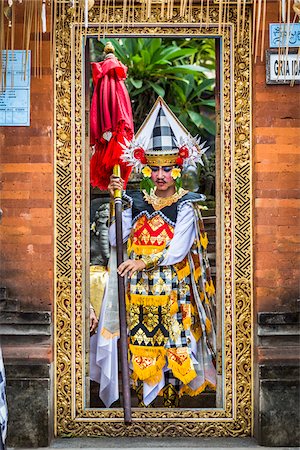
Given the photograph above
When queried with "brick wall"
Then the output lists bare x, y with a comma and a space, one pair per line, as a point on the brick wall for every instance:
276, 185
27, 196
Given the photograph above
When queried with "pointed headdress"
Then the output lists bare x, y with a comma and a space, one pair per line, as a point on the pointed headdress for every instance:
162, 140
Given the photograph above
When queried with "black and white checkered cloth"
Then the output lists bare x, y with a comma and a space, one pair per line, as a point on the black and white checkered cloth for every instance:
162, 135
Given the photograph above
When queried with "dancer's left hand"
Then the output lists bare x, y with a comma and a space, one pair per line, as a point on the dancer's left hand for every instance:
130, 266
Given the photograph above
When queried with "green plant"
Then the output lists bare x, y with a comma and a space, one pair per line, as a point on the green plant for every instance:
180, 70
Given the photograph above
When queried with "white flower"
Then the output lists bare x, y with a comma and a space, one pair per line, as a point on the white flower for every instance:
128, 153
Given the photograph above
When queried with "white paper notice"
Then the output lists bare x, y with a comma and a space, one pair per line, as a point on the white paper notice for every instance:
15, 100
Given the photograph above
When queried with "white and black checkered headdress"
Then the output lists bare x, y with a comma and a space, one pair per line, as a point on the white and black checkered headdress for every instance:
162, 140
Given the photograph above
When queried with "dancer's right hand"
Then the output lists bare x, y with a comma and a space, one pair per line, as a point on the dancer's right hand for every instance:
115, 183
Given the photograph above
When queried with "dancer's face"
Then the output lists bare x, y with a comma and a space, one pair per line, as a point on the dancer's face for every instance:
161, 176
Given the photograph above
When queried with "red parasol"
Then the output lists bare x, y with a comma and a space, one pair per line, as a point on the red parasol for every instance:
110, 120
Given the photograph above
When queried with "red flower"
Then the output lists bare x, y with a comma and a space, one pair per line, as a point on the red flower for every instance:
183, 152
179, 161
140, 155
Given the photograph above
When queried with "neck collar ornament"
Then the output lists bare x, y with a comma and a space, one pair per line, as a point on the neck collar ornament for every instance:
159, 203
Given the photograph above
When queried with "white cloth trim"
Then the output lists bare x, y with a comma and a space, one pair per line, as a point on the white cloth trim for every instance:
104, 352
150, 392
126, 227
184, 236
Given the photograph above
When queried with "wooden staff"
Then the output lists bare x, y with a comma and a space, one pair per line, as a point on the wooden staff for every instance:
122, 304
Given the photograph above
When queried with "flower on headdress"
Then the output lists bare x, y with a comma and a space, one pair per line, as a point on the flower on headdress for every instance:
183, 152
179, 161
139, 154
176, 173
191, 150
146, 171
134, 153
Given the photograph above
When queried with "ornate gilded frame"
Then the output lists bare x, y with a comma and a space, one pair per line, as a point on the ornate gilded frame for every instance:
235, 417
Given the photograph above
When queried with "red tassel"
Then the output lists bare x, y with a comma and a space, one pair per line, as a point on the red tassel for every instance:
106, 156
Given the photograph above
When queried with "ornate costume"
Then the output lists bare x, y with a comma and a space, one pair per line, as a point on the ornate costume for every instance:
170, 304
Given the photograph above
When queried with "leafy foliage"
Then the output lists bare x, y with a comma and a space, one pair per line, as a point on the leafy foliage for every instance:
178, 183
181, 70
147, 185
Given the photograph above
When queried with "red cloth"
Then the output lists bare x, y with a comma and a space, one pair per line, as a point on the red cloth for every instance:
110, 111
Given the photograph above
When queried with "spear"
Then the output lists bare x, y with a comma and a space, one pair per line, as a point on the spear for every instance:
111, 123
122, 303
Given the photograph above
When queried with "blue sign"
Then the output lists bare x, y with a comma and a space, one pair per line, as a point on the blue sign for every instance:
15, 100
279, 32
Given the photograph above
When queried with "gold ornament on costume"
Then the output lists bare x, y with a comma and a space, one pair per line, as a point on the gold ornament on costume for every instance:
162, 160
161, 202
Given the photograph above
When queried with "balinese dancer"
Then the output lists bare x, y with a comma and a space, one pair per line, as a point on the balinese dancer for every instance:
170, 293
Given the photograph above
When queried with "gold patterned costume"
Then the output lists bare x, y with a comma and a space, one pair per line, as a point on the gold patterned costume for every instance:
170, 306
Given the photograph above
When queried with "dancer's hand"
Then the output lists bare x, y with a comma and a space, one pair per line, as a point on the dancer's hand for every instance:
93, 320
130, 266
115, 183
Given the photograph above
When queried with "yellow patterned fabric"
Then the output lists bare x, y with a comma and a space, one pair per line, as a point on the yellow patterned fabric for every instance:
161, 311
97, 284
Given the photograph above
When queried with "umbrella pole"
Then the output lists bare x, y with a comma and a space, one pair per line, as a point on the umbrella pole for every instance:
122, 305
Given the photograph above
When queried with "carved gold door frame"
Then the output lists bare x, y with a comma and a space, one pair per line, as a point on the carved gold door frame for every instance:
234, 418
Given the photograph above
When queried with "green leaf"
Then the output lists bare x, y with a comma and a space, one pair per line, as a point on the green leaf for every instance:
178, 183
202, 121
170, 77
158, 89
211, 103
139, 91
131, 46
177, 52
147, 184
136, 83
185, 68
137, 59
208, 82
179, 91
209, 125
155, 44
196, 118
146, 57
175, 109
